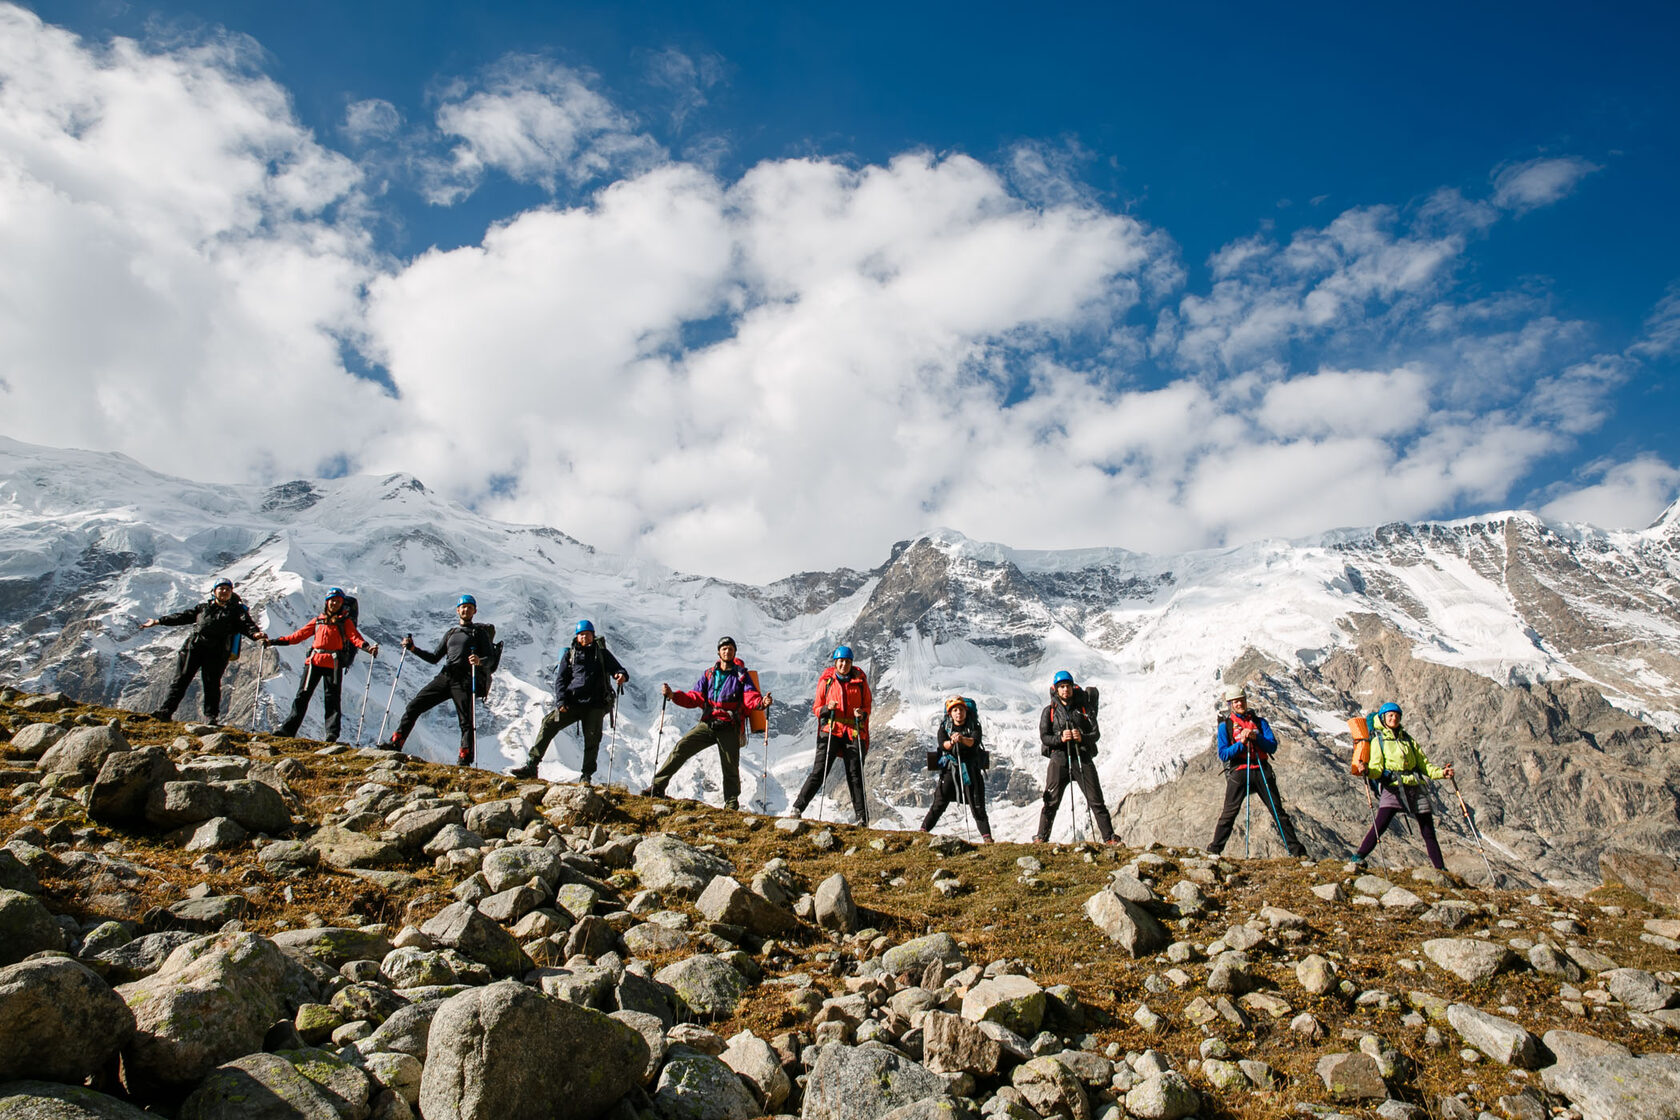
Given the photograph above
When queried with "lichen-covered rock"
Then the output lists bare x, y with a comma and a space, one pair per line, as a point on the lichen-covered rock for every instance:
1470, 959
505, 1052
725, 900
1162, 1096
84, 750
15, 875
865, 1083
58, 1021
652, 1030
349, 1088
1051, 1089
125, 781
1500, 1039
952, 1044
258, 1087
462, 928
1613, 1086
46, 1100
126, 963
915, 955
333, 946
1352, 1077
1015, 1002
667, 864
834, 907
1127, 924
211, 1001
34, 740
25, 927
709, 984
757, 1064
697, 1086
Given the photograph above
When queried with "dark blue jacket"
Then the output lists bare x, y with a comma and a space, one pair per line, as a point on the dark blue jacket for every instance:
586, 674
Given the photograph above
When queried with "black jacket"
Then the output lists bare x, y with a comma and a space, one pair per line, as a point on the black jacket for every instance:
1076, 715
213, 624
459, 643
585, 678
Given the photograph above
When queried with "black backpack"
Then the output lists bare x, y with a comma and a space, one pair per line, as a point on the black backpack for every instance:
980, 757
352, 611
492, 660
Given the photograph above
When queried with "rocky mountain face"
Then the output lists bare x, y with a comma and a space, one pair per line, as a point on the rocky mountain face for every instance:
1543, 660
204, 924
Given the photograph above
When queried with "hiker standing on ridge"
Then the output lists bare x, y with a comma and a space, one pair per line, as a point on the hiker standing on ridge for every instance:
467, 653
583, 690
960, 758
1067, 735
215, 624
1246, 744
842, 707
725, 693
329, 632
1397, 768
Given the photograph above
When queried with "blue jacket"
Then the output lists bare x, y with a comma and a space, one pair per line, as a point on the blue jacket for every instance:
1233, 752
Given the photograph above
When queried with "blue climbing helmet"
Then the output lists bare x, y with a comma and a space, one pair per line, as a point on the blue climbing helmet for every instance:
466, 601
223, 582
1391, 706
584, 626
334, 593
841, 653
1064, 675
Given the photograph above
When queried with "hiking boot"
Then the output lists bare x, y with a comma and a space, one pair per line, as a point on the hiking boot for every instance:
465, 758
162, 713
529, 770
653, 791
1113, 840
732, 804
586, 779
396, 741
793, 812
986, 838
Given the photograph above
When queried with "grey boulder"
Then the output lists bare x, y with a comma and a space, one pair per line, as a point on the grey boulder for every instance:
697, 1086
505, 1052
665, 863
865, 1083
58, 1021
45, 1100
26, 927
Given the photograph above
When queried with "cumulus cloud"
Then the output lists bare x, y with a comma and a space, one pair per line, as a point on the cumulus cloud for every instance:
746, 376
175, 258
1628, 495
536, 122
1538, 182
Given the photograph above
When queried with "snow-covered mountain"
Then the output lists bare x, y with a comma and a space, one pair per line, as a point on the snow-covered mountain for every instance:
1500, 635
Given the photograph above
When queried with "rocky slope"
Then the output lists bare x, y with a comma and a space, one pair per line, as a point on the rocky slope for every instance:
1544, 660
200, 923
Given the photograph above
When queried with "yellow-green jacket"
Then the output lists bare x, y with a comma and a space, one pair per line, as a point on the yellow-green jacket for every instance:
1397, 759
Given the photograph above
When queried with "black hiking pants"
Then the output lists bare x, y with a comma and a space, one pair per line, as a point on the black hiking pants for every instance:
972, 793
1056, 779
441, 688
332, 683
560, 719
832, 749
208, 661
1240, 784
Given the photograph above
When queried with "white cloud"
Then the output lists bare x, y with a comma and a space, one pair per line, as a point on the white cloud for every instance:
372, 120
932, 340
1660, 336
176, 281
1626, 495
1522, 187
686, 78
536, 122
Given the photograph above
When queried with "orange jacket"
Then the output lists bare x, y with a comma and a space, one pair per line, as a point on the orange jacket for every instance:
852, 694
329, 638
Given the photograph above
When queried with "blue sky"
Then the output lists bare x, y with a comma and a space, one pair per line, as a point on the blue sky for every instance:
672, 277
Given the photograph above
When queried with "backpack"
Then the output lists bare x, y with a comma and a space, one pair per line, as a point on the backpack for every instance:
1362, 728
352, 611
492, 661
979, 756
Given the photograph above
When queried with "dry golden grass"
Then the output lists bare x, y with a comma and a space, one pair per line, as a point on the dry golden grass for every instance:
994, 917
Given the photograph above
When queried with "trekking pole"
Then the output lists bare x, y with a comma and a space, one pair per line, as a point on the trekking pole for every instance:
762, 801
472, 709
828, 760
659, 736
1493, 880
256, 693
1248, 802
1271, 803
963, 803
612, 718
1073, 780
366, 688
403, 656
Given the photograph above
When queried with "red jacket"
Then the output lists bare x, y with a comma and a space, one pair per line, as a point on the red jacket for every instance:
852, 694
329, 639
